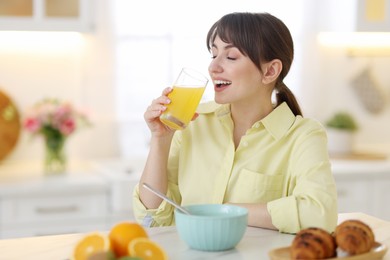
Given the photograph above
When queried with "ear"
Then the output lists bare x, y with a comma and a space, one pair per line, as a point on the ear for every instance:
271, 71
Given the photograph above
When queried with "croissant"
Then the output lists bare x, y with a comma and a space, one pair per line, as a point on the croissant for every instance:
354, 237
313, 243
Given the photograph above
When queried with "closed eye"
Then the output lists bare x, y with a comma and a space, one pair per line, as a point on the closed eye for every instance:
229, 58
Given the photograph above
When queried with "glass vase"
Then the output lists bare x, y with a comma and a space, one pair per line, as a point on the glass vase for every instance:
55, 157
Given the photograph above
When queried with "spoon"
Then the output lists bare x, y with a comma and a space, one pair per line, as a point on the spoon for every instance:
159, 194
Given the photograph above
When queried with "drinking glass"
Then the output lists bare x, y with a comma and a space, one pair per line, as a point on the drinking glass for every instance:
185, 97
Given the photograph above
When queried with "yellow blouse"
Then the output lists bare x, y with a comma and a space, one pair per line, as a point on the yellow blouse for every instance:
282, 161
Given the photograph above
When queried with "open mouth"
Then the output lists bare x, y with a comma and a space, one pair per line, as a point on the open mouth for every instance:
222, 83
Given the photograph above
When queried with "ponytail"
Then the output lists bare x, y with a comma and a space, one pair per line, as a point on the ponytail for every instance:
284, 94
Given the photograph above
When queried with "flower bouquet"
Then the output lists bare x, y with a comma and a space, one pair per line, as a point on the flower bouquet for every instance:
55, 121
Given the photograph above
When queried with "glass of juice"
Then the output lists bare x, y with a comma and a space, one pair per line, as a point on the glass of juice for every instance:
185, 97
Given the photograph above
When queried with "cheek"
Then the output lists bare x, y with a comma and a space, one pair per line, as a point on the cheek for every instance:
252, 79
249, 71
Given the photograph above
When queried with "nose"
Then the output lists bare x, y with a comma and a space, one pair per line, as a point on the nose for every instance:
215, 66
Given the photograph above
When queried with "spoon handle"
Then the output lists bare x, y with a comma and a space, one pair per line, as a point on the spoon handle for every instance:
162, 196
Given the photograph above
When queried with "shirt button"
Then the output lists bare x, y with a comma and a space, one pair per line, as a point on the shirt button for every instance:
245, 144
257, 125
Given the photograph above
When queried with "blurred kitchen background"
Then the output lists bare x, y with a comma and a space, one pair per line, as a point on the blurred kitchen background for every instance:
112, 57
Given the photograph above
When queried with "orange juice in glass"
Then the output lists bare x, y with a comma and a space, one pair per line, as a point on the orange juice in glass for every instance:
185, 97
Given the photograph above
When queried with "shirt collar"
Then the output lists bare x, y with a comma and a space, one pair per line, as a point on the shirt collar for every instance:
279, 121
223, 110
220, 110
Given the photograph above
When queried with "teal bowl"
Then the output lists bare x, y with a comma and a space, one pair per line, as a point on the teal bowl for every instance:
212, 227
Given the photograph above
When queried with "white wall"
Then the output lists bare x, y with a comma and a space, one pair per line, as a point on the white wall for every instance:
328, 72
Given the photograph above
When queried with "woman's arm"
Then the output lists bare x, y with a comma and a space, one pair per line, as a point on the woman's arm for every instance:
155, 171
258, 215
312, 199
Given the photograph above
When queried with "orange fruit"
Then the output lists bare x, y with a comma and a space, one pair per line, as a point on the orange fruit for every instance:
89, 245
122, 233
146, 249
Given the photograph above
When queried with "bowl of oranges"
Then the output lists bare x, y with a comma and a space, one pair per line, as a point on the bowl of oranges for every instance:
124, 241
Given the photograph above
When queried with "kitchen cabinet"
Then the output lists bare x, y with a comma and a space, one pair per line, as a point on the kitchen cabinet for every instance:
89, 196
363, 186
121, 176
373, 16
52, 214
46, 15
354, 194
49, 205
381, 195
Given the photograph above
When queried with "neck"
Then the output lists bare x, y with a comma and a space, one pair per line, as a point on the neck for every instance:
245, 115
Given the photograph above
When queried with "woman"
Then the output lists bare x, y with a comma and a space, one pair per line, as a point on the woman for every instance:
243, 149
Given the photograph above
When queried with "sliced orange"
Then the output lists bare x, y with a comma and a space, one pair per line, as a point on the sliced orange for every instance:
146, 249
122, 234
89, 245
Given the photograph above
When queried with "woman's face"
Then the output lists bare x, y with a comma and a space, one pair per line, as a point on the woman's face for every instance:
235, 77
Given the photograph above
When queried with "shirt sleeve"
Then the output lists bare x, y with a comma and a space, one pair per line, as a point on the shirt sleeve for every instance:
164, 214
312, 198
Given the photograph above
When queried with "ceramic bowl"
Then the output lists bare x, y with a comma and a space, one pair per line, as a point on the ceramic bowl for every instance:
212, 227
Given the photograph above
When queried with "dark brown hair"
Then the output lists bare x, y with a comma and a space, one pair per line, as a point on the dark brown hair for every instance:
262, 37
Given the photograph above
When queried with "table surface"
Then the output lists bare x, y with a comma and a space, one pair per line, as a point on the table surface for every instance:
255, 244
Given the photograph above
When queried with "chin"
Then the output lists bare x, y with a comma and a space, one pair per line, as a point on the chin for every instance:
220, 101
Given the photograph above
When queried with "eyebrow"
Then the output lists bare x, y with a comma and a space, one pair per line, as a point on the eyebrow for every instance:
228, 46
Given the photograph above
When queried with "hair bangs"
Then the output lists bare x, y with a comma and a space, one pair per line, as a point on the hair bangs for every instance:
235, 29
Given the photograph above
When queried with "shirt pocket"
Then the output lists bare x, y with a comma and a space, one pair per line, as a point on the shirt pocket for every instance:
252, 187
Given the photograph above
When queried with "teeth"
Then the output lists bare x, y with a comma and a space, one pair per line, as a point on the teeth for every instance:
222, 82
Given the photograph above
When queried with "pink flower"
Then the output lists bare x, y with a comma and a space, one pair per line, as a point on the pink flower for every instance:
67, 126
32, 124
55, 115
62, 112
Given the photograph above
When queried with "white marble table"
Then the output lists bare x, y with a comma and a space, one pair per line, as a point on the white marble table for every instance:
255, 245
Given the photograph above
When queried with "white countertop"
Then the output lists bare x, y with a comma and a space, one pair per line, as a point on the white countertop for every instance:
365, 167
255, 244
19, 176
19, 179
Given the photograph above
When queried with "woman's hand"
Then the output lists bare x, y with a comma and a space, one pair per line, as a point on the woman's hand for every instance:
153, 113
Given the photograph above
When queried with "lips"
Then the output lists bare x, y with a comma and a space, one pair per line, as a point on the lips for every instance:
221, 84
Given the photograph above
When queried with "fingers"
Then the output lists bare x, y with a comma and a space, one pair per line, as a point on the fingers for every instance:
158, 105
163, 100
154, 110
166, 91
